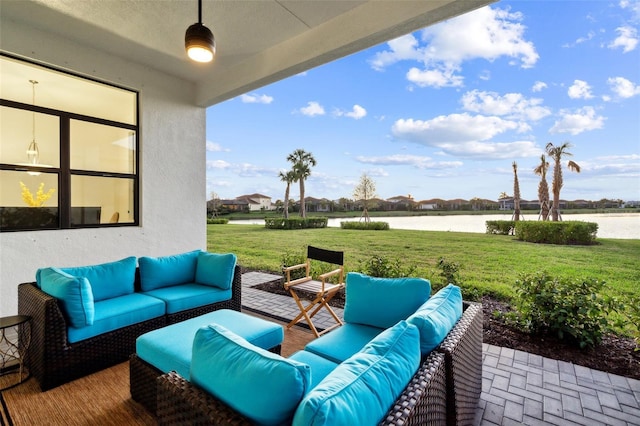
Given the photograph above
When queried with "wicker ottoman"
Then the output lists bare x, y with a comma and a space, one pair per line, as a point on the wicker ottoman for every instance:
169, 349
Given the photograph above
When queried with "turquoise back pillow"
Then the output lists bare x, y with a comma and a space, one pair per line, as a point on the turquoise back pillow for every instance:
437, 316
74, 294
215, 269
360, 390
108, 280
382, 302
158, 272
263, 386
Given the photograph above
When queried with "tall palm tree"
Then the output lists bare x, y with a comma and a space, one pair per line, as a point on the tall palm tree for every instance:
543, 187
302, 162
557, 152
288, 177
516, 193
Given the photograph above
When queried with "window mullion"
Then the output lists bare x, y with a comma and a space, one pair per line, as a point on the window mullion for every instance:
65, 173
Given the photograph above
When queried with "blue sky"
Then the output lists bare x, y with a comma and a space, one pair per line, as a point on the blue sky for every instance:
443, 112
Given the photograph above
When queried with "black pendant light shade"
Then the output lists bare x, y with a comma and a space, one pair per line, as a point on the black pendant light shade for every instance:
199, 41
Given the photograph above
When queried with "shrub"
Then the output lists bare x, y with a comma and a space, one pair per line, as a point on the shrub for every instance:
632, 310
449, 271
217, 221
380, 266
295, 222
574, 310
372, 226
565, 233
500, 227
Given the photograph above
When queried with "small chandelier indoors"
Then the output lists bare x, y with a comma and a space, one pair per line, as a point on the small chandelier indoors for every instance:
33, 153
199, 41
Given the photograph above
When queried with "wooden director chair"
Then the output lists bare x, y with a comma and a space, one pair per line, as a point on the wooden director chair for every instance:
324, 291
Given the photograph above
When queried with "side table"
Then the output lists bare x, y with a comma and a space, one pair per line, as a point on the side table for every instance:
15, 338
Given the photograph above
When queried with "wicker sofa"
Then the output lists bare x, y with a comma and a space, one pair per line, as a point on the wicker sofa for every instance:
445, 389
53, 359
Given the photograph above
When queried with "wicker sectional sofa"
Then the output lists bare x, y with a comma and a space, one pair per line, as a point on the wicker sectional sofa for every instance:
57, 355
445, 388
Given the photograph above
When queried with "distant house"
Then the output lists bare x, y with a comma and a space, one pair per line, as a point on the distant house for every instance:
400, 202
257, 202
318, 204
432, 204
234, 205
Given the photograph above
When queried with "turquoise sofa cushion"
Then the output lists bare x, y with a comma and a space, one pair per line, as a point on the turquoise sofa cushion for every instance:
361, 390
215, 269
188, 296
158, 272
110, 279
263, 386
74, 293
343, 342
118, 312
382, 302
320, 367
170, 348
437, 316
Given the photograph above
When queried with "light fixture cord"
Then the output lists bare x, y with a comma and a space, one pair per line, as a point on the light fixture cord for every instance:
33, 102
200, 11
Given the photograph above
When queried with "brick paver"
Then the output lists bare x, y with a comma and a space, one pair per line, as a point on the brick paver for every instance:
517, 387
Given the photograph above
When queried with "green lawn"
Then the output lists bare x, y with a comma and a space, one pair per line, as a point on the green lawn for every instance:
490, 263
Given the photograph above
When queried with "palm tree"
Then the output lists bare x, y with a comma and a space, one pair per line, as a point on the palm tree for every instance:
516, 193
543, 187
302, 162
288, 177
556, 152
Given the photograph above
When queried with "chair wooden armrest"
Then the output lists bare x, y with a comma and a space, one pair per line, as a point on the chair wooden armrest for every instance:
294, 267
326, 275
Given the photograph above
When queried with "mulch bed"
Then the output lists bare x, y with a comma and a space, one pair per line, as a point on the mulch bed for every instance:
614, 355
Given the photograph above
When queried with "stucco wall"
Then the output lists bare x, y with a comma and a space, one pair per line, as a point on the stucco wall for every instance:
172, 169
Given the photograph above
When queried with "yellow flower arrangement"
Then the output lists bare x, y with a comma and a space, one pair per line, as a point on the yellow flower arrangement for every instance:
41, 197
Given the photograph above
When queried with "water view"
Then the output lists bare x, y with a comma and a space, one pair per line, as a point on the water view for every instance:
622, 226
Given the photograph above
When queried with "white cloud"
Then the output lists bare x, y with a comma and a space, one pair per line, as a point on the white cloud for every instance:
465, 135
217, 164
251, 170
312, 109
255, 98
623, 87
580, 90
627, 39
216, 147
356, 113
409, 160
485, 33
634, 8
577, 122
511, 105
538, 86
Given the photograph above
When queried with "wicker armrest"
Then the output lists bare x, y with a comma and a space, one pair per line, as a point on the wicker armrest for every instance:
424, 400
463, 358
48, 327
180, 402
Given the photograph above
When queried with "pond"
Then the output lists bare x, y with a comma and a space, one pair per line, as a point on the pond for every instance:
610, 225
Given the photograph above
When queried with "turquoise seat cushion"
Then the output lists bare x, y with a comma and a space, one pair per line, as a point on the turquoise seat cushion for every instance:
382, 302
187, 296
158, 272
170, 348
263, 386
112, 314
437, 316
361, 390
343, 342
110, 279
74, 294
215, 269
320, 367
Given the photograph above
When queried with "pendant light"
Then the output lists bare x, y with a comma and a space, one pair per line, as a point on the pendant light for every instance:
33, 152
199, 41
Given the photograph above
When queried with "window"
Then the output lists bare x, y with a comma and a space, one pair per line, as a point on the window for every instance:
68, 150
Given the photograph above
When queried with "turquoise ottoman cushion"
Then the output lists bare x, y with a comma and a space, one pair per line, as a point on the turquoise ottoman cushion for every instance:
343, 342
382, 302
261, 385
170, 348
437, 316
361, 390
